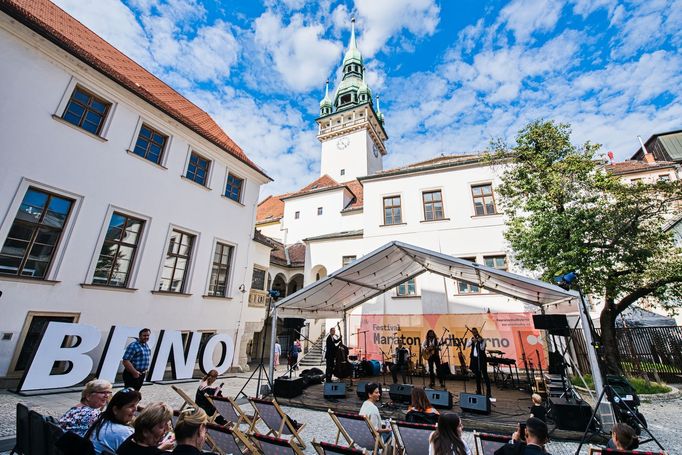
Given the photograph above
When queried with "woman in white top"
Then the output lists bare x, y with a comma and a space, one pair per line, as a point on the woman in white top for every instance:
447, 439
112, 427
369, 409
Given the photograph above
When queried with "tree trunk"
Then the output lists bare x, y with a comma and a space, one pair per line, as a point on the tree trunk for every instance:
609, 343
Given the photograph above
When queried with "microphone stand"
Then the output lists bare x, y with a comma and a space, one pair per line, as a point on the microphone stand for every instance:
383, 369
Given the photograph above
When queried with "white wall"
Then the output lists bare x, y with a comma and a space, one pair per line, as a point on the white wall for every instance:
34, 78
356, 159
309, 222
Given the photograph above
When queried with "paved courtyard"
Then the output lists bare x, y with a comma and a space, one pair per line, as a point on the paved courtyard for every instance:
660, 413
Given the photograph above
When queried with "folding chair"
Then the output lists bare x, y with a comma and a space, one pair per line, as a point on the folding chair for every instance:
327, 448
230, 410
604, 451
487, 443
358, 431
23, 438
187, 400
413, 438
270, 445
38, 442
275, 419
52, 434
228, 441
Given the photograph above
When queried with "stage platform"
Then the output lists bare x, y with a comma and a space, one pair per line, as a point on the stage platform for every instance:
510, 406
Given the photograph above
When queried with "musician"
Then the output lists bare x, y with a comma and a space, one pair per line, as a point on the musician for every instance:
479, 361
432, 344
332, 345
402, 356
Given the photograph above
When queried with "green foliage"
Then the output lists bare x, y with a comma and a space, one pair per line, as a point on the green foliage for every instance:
567, 214
640, 385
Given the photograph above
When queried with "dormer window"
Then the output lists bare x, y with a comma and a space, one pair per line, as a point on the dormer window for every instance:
345, 99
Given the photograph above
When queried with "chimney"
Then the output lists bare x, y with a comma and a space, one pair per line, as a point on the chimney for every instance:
648, 158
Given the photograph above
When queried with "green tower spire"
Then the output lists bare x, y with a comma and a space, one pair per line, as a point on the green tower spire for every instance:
326, 103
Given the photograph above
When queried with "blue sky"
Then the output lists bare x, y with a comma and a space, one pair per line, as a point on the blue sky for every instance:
452, 75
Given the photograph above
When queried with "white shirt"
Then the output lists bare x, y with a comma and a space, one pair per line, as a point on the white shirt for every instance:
370, 410
278, 349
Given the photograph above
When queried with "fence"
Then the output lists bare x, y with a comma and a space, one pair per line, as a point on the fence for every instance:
641, 350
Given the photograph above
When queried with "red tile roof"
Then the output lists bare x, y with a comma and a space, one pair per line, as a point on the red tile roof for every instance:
633, 166
66, 32
356, 188
270, 209
296, 254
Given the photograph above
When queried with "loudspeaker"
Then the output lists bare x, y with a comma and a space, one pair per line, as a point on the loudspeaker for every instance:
555, 324
441, 399
571, 415
360, 390
288, 388
474, 403
335, 390
401, 393
556, 363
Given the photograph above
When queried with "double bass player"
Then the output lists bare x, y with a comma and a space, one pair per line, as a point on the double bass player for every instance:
331, 347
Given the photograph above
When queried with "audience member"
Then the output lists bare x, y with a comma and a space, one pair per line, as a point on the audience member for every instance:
278, 354
623, 437
420, 409
538, 410
535, 439
136, 360
151, 435
447, 439
190, 432
207, 387
94, 397
369, 409
112, 426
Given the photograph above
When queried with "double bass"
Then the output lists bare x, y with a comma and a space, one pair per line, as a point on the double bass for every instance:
342, 367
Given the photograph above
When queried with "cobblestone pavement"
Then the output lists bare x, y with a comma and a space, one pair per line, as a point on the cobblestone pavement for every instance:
663, 415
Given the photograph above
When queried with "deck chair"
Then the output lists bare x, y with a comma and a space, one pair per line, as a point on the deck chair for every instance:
327, 448
23, 438
604, 451
228, 441
230, 410
413, 438
358, 431
278, 423
487, 443
270, 445
187, 400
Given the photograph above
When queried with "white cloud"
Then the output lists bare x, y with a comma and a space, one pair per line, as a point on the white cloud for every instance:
301, 57
526, 17
380, 20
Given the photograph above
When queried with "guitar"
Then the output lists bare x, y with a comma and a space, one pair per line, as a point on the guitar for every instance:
428, 351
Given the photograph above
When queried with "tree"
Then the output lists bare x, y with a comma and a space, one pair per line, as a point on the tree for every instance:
566, 213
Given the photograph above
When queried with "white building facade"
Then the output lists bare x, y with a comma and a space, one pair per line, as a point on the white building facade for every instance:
115, 208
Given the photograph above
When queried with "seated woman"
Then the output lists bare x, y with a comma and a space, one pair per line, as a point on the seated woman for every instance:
80, 417
371, 411
112, 426
151, 435
420, 409
447, 439
206, 388
623, 437
190, 432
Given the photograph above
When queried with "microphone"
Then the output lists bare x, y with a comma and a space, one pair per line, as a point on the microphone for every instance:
446, 329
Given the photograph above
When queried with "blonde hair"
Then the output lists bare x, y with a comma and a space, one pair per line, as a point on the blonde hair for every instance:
189, 423
96, 385
150, 417
537, 399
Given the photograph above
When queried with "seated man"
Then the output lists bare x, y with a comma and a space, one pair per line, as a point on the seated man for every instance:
369, 409
536, 437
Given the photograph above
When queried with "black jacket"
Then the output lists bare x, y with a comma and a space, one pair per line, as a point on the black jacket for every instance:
520, 448
331, 347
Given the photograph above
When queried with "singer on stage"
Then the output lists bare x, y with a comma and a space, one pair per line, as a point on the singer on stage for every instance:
431, 352
402, 356
479, 362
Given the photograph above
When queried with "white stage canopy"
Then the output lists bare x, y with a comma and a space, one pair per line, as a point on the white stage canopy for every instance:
394, 263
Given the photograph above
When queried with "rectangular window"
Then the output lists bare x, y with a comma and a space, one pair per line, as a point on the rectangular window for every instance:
347, 260
34, 235
433, 205
86, 111
150, 144
392, 210
407, 288
497, 262
118, 251
233, 189
198, 168
664, 178
258, 279
484, 202
466, 288
343, 172
176, 265
297, 215
220, 271
319, 211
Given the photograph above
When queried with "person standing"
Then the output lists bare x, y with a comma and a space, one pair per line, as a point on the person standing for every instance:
431, 347
278, 353
136, 360
479, 361
331, 347
400, 365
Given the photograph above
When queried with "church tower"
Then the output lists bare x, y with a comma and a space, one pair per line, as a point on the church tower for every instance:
351, 128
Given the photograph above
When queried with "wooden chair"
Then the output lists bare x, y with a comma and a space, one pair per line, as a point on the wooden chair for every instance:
358, 431
230, 410
412, 438
488, 443
278, 423
327, 448
604, 451
228, 441
270, 445
187, 400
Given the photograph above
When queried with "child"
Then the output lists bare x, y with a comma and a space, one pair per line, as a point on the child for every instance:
538, 410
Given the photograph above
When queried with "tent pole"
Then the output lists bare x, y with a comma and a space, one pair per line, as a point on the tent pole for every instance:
273, 336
